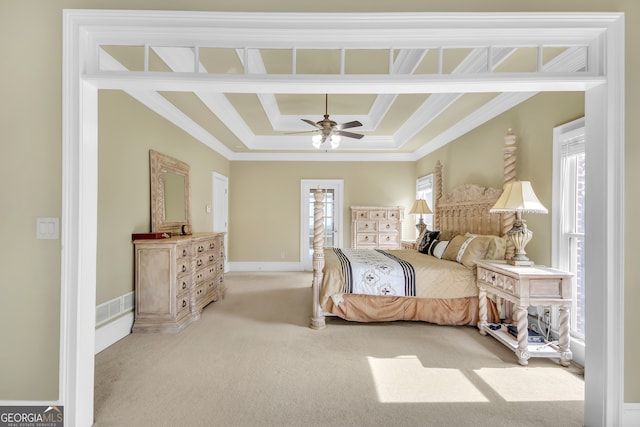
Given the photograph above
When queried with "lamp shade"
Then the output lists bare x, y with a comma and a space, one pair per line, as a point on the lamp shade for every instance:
420, 207
518, 196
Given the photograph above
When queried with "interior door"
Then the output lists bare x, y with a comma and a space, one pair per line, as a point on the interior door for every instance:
221, 211
333, 216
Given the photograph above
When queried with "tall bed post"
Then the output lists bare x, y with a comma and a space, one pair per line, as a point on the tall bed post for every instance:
317, 319
437, 194
509, 175
508, 218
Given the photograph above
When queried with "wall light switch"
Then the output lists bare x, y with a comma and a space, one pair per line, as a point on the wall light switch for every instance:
47, 228
207, 208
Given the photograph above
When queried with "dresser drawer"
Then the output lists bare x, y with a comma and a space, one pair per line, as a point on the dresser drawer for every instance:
200, 276
395, 215
183, 267
183, 283
367, 226
390, 226
367, 239
506, 283
200, 261
360, 215
182, 306
182, 253
546, 288
378, 215
386, 240
213, 245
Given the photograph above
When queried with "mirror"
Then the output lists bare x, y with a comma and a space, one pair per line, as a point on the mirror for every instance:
170, 195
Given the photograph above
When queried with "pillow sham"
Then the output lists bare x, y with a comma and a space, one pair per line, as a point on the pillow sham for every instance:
437, 247
467, 250
421, 236
447, 235
497, 245
429, 236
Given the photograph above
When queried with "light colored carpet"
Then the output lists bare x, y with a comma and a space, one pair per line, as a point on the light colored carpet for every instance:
252, 360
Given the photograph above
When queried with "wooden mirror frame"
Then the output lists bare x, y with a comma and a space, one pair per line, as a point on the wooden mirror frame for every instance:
159, 164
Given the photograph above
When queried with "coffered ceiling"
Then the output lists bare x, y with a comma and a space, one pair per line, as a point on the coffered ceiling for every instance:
277, 84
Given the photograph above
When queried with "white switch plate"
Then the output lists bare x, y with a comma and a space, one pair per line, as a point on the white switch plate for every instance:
47, 228
207, 208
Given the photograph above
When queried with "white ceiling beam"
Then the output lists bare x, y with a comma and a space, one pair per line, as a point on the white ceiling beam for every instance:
572, 60
475, 62
351, 84
166, 109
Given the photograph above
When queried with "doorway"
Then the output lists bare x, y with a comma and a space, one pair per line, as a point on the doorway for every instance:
220, 199
333, 216
604, 97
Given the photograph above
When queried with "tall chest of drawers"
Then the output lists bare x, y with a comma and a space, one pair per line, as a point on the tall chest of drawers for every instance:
376, 227
175, 279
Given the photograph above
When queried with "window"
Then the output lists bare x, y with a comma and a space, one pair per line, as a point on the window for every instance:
329, 224
424, 190
568, 220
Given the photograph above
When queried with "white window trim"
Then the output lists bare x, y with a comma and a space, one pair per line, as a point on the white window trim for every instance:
561, 134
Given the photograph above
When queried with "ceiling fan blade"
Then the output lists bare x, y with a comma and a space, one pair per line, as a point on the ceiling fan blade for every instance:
312, 123
348, 134
302, 132
348, 125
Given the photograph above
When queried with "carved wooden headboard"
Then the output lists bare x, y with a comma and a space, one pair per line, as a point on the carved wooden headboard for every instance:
466, 208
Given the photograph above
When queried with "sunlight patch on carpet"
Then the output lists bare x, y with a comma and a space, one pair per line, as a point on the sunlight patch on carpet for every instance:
405, 379
524, 384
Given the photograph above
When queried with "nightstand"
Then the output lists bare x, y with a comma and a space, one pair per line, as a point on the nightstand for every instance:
525, 286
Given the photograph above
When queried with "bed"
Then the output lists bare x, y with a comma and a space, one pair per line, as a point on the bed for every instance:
436, 279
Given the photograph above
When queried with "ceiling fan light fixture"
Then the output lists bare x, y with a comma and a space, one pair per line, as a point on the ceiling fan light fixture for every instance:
335, 141
316, 140
329, 132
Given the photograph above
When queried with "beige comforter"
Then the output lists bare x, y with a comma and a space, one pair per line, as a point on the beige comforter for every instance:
435, 278
446, 293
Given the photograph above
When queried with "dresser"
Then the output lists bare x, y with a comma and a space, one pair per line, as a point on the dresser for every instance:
175, 279
525, 286
376, 227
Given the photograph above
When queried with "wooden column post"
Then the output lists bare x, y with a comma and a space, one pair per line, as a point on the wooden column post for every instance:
317, 319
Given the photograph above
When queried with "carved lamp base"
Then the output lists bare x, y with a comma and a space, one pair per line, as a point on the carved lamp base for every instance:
520, 235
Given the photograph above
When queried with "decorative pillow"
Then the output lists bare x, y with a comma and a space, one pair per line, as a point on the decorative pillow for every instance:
447, 235
437, 248
497, 245
421, 236
429, 236
467, 250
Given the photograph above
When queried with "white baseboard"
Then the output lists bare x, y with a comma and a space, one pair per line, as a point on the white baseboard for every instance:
631, 414
113, 331
265, 266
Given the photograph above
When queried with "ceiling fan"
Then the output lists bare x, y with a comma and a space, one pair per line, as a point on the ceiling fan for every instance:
329, 131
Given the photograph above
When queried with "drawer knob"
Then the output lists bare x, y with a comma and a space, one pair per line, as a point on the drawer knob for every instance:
184, 303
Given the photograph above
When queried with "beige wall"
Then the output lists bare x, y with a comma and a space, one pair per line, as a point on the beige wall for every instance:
272, 189
477, 156
30, 123
127, 131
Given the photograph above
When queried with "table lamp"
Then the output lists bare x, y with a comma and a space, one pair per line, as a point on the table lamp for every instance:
519, 197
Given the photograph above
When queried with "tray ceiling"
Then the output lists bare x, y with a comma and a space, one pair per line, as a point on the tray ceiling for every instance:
255, 121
